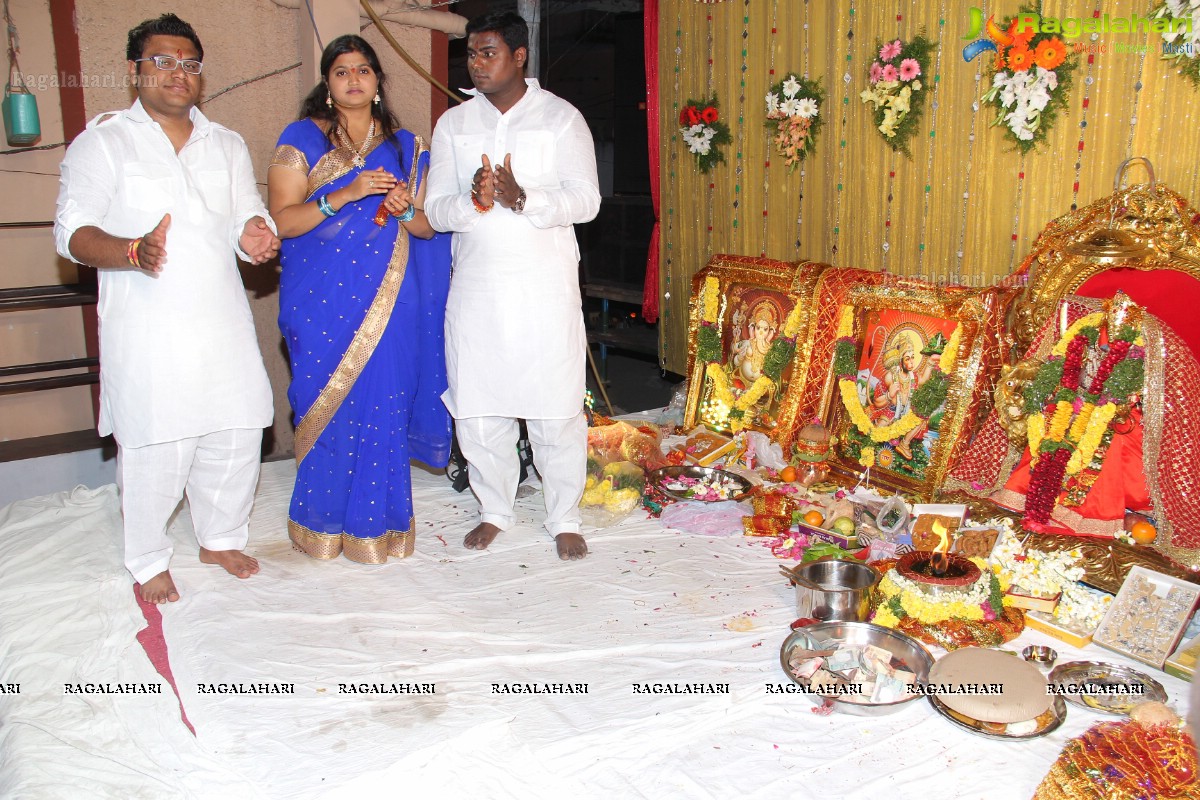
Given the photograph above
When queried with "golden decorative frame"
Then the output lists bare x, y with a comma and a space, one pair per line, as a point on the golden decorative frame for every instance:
795, 280
1154, 214
969, 379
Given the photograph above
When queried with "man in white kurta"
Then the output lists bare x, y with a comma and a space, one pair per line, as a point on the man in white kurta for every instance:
512, 171
159, 199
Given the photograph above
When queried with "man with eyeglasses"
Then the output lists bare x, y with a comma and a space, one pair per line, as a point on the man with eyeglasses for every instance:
159, 199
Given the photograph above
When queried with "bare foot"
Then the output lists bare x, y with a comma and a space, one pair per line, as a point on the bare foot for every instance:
159, 589
235, 562
903, 450
571, 546
481, 536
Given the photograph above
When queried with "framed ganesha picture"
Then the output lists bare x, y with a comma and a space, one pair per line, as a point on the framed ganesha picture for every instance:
907, 378
746, 317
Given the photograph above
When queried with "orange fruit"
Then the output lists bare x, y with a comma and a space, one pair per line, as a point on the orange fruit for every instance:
814, 518
788, 474
1143, 532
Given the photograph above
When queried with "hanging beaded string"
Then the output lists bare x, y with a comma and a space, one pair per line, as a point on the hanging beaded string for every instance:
741, 121
671, 187
767, 161
803, 167
846, 78
937, 82
1088, 80
956, 276
1140, 63
1012, 248
708, 200
891, 182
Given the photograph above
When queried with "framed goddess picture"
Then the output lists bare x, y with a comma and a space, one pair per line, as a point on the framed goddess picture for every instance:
908, 371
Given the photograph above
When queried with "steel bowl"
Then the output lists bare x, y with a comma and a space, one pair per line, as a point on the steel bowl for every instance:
660, 477
905, 648
846, 590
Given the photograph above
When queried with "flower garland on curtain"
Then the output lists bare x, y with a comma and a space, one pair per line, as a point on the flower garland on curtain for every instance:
704, 132
1182, 47
897, 91
1069, 425
708, 351
926, 399
1030, 85
793, 111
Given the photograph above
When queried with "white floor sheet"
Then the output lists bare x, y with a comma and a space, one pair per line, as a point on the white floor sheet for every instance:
648, 606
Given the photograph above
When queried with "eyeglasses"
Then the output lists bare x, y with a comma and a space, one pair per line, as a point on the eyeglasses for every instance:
169, 63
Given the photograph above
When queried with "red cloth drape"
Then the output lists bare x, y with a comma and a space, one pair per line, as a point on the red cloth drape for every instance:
650, 48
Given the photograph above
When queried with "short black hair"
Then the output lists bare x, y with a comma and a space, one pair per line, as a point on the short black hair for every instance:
511, 26
166, 25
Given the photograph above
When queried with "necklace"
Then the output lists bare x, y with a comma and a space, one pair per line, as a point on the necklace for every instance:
359, 155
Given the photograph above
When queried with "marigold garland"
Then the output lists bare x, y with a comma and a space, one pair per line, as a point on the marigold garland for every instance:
1079, 416
708, 339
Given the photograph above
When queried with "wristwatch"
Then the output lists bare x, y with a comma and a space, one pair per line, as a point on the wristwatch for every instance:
519, 204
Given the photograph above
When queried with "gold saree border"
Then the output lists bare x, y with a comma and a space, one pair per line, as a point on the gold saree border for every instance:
336, 163
362, 346
291, 157
375, 550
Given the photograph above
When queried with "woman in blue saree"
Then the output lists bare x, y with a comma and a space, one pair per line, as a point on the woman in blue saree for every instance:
361, 308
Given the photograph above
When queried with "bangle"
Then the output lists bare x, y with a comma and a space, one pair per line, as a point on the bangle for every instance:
131, 253
323, 204
407, 216
480, 207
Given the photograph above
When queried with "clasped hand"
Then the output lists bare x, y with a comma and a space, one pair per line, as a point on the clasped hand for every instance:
496, 185
371, 181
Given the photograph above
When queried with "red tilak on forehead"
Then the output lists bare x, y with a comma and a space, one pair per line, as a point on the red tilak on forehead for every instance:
179, 54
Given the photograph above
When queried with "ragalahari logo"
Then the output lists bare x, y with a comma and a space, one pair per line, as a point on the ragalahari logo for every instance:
995, 35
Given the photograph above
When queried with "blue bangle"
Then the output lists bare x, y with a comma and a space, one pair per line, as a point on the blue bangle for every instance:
407, 215
323, 204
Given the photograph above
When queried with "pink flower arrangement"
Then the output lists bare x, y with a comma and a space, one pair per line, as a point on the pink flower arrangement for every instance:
895, 91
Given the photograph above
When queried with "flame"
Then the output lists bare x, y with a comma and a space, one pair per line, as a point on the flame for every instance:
940, 531
939, 562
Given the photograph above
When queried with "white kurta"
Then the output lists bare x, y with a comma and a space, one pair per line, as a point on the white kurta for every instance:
179, 354
515, 343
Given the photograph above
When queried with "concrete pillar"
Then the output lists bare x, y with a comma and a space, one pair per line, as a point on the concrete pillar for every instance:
333, 18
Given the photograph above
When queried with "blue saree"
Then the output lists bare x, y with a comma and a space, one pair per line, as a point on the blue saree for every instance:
361, 308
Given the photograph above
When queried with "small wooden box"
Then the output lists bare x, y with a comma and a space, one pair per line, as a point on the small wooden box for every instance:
1182, 663
1051, 627
1031, 602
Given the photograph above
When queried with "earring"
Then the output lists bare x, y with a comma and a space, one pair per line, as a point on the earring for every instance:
377, 98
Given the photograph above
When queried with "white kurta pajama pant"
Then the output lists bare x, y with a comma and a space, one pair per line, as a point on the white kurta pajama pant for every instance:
182, 383
515, 343
218, 473
559, 452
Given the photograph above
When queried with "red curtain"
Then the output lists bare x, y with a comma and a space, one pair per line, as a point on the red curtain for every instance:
650, 47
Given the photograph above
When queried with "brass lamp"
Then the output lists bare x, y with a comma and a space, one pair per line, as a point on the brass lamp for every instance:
1110, 245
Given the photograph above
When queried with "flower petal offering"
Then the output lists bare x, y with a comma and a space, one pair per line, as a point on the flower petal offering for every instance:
706, 484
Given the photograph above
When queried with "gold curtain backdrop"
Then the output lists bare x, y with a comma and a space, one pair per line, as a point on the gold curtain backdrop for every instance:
985, 201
